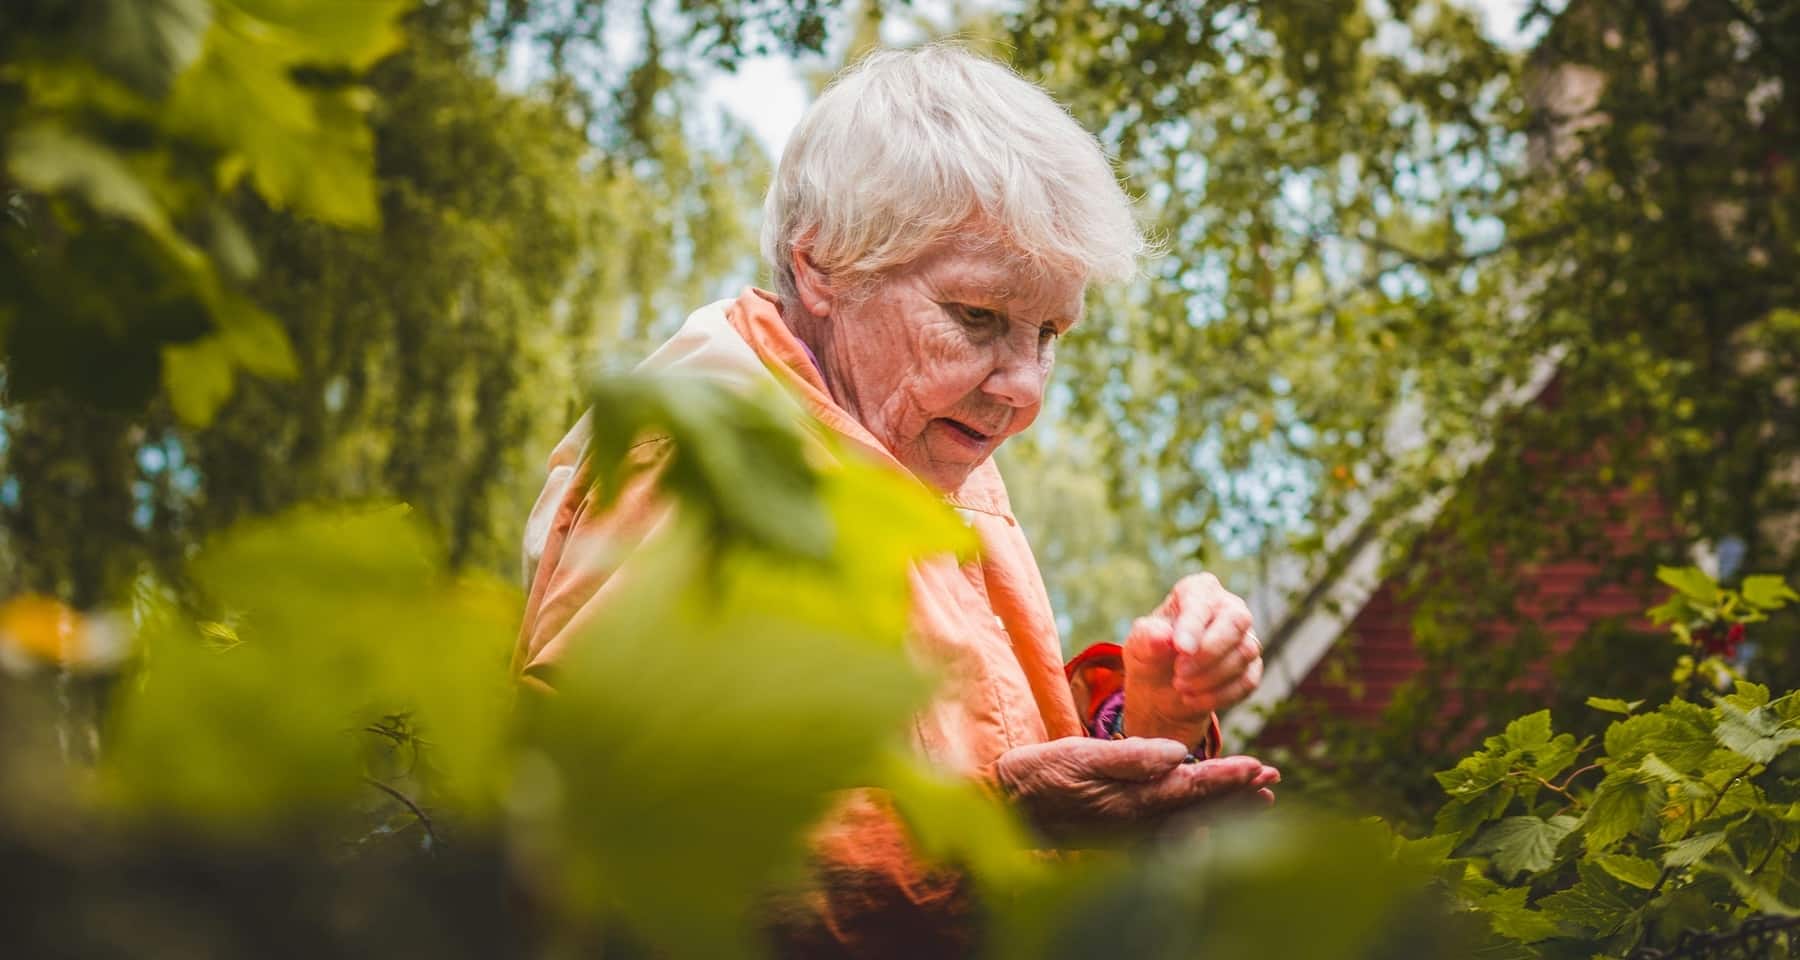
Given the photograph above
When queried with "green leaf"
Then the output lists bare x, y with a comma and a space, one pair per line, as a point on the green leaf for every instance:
1619, 806
739, 462
1692, 850
1768, 592
1676, 610
1472, 774
1552, 758
1748, 695
1636, 871
307, 149
1614, 705
1529, 731
1510, 917
1524, 844
1596, 903
1692, 582
1461, 816
327, 33
148, 42
51, 160
343, 618
1230, 895
741, 719
198, 377
1430, 852
955, 823
1758, 735
1759, 897
1678, 739
1656, 768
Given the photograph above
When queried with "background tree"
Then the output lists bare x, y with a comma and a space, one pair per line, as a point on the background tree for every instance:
1378, 221
426, 317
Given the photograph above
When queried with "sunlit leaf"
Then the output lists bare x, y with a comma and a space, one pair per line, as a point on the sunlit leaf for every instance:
1692, 582
1614, 705
1768, 592
304, 148
354, 33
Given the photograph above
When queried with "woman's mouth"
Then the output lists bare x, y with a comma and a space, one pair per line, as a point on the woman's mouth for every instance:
964, 434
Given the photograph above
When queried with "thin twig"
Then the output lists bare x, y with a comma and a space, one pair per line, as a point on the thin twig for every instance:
1572, 776
424, 820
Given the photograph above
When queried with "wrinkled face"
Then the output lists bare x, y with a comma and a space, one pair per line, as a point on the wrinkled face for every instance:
948, 356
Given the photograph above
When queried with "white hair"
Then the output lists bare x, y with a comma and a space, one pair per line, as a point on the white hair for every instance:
908, 148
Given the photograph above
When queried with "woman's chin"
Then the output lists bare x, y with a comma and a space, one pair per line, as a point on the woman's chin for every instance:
943, 476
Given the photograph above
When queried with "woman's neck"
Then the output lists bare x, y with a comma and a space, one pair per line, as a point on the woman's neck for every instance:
814, 334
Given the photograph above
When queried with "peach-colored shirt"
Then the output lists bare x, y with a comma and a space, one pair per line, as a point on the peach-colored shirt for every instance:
986, 626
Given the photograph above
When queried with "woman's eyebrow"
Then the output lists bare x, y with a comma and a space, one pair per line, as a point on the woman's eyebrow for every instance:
997, 295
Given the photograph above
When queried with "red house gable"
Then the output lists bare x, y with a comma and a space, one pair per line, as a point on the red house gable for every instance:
1346, 645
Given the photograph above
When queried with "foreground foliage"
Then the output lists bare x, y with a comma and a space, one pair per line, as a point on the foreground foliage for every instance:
319, 690
1680, 819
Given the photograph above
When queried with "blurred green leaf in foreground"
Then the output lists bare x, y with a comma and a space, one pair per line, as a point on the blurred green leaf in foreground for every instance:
315, 628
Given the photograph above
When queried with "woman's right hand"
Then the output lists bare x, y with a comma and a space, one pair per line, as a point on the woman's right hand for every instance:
1083, 786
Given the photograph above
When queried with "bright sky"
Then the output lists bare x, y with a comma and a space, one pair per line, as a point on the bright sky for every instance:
767, 94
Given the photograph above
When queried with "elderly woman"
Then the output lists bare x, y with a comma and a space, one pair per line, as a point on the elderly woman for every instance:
933, 226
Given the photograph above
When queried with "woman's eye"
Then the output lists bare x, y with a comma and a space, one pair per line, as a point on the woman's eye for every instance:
1047, 335
981, 318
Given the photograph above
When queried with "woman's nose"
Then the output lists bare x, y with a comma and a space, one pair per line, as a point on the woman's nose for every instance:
1017, 379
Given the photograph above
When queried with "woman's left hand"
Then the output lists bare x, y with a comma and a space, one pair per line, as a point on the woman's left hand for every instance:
1195, 655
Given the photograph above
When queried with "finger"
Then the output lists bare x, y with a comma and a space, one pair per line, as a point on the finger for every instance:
1151, 643
1197, 783
1193, 602
1193, 589
1230, 693
1226, 694
1134, 758
1190, 626
1238, 646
